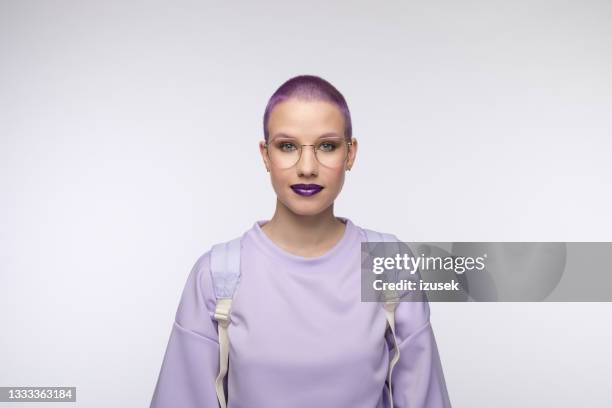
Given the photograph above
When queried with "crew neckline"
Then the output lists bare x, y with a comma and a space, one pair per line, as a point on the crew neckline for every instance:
272, 247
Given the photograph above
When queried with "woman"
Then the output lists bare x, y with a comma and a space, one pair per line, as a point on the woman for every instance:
299, 334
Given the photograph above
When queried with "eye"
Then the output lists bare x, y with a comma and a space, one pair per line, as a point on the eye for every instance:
328, 146
286, 146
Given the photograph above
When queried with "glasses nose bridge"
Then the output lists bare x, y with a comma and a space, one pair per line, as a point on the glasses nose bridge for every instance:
314, 153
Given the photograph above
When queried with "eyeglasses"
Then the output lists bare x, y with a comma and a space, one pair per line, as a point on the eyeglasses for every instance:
329, 153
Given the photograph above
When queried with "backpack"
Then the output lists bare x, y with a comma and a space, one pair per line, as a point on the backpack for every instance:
225, 272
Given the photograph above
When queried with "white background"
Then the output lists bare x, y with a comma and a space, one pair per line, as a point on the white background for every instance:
128, 146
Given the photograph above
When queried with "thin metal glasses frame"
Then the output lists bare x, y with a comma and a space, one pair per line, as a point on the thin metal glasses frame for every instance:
267, 145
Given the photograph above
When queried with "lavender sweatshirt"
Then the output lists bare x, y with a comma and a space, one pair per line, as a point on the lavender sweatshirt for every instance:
300, 337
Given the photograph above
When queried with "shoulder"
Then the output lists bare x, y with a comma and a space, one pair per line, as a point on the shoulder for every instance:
198, 296
409, 314
214, 265
376, 235
195, 312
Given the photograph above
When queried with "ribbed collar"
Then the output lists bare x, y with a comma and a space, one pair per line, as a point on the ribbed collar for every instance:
266, 244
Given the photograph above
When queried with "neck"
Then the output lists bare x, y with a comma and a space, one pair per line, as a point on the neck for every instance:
308, 233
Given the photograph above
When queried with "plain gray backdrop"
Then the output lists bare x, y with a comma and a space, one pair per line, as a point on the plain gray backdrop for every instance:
128, 146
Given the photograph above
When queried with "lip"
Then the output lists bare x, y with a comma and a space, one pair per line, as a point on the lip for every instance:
306, 190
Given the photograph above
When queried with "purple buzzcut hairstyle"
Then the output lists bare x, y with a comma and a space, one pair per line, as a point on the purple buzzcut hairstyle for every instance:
310, 88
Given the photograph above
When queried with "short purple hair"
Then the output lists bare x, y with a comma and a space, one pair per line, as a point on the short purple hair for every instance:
310, 88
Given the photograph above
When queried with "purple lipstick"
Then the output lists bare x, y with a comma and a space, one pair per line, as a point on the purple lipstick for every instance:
306, 190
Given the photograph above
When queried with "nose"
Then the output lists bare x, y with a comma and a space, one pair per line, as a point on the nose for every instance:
307, 164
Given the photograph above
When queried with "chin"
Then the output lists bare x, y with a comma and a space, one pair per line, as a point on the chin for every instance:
306, 209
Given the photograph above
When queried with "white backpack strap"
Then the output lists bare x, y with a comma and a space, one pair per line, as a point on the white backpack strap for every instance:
225, 271
389, 306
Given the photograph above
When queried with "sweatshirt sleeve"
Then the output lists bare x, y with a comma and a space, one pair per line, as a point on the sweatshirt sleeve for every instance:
191, 361
418, 378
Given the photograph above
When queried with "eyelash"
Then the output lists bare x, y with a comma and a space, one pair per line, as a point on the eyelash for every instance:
332, 145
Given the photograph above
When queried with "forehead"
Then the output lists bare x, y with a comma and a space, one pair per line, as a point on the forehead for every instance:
305, 119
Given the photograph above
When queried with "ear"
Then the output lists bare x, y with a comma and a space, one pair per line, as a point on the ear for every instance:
264, 154
352, 154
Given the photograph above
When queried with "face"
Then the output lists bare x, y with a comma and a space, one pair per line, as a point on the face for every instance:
295, 122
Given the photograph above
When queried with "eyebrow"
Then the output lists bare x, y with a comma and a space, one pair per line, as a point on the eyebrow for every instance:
324, 135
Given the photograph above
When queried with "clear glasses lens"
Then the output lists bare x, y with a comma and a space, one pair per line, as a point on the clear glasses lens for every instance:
329, 153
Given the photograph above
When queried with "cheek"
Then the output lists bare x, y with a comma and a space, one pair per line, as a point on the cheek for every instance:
336, 177
279, 181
